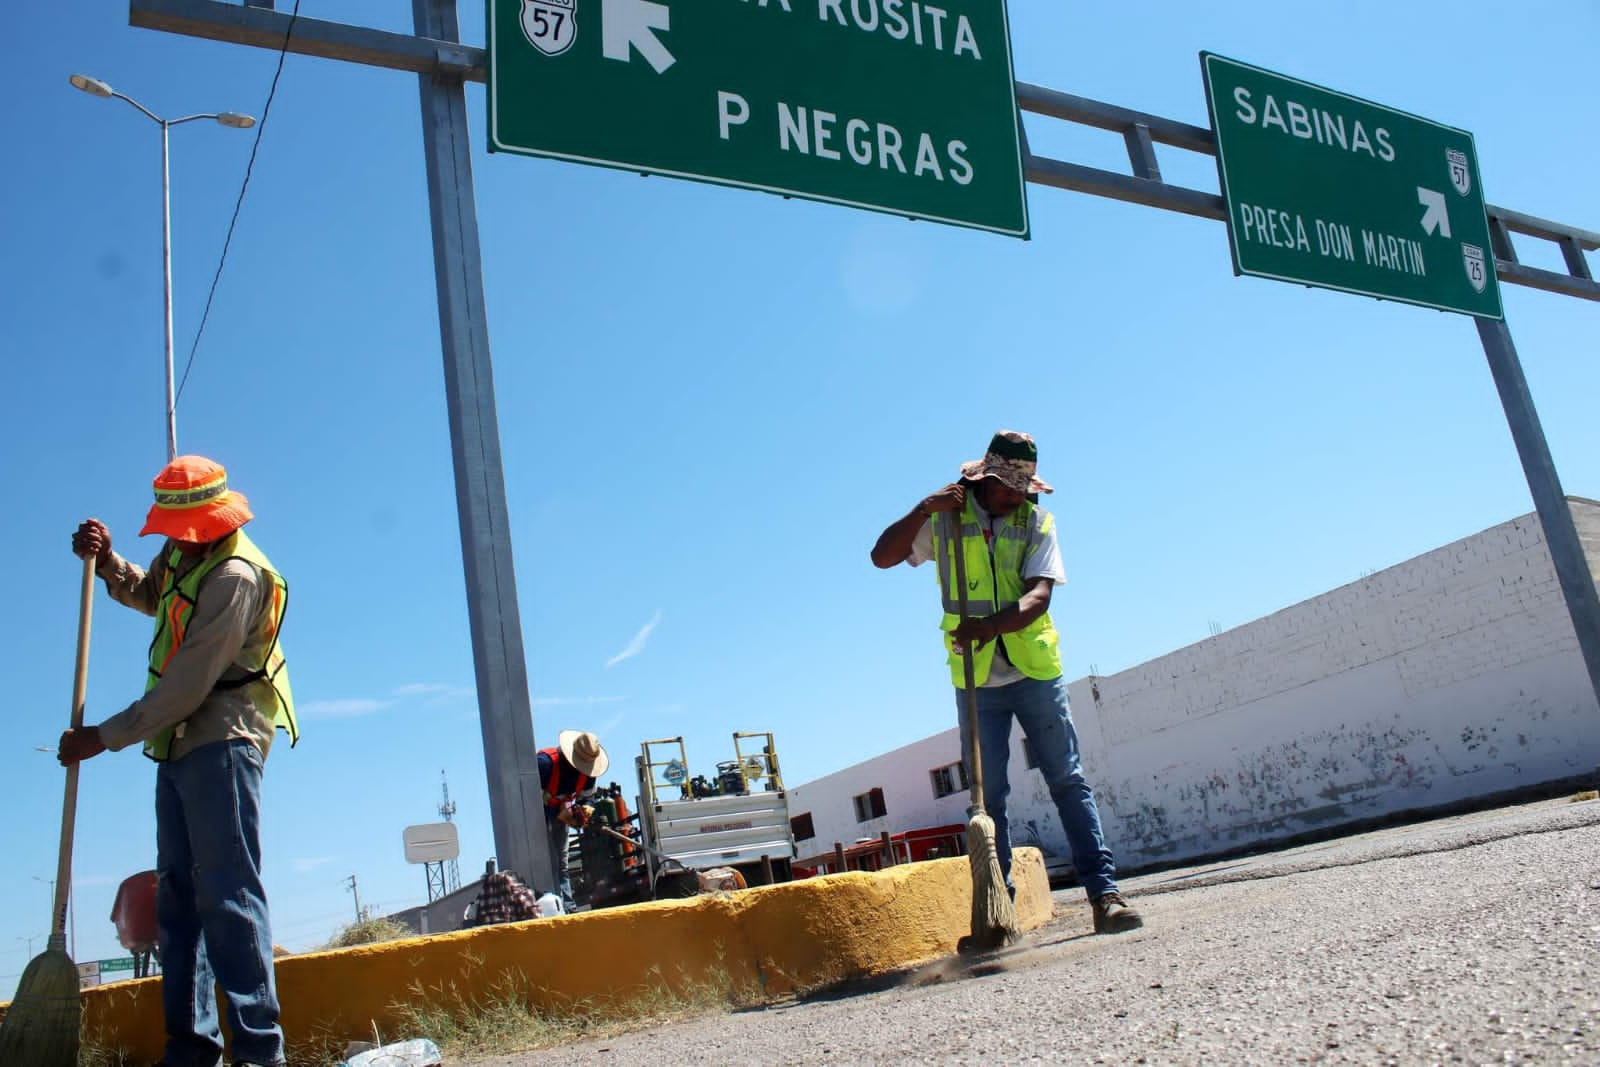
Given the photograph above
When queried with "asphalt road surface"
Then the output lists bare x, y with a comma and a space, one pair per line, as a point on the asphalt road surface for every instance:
1474, 939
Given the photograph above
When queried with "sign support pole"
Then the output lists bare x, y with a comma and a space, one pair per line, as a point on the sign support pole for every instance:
516, 800
1560, 534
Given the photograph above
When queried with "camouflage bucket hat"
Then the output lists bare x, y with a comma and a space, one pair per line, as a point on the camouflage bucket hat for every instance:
1012, 458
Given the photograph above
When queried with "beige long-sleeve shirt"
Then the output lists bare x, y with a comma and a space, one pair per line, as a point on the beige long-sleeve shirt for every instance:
228, 629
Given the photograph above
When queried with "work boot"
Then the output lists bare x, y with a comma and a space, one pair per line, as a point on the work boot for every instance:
1112, 915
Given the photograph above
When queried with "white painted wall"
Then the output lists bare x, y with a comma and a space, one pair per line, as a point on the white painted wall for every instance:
1451, 676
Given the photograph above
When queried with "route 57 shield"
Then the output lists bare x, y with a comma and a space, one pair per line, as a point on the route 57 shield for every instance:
1460, 175
549, 25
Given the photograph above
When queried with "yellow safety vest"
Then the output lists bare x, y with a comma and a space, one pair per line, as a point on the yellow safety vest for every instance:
172, 621
994, 582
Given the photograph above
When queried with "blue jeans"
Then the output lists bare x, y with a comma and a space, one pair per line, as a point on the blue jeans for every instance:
211, 908
557, 834
1041, 708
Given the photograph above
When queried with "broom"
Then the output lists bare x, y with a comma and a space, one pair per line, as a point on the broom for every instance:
41, 1028
994, 919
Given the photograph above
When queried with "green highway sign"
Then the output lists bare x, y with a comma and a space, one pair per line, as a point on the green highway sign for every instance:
125, 963
1330, 190
898, 106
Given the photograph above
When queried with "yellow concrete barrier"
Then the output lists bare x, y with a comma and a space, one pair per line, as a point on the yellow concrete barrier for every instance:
756, 943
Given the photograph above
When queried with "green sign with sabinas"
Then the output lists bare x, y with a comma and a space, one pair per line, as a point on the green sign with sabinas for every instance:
900, 106
1330, 190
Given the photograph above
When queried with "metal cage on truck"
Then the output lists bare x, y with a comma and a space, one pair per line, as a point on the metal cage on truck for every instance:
738, 819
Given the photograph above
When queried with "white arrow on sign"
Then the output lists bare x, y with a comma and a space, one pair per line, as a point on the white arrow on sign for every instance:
629, 23
1437, 217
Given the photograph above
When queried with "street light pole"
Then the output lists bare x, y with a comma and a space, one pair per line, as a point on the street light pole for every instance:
166, 288
232, 119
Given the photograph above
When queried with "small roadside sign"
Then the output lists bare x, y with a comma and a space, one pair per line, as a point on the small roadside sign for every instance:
1326, 189
431, 842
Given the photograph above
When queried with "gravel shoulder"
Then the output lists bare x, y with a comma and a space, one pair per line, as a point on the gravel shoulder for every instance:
1474, 939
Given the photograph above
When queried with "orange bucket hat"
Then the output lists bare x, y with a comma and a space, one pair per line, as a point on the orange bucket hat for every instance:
194, 503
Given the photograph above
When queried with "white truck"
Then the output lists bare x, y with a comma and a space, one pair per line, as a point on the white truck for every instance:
686, 825
739, 819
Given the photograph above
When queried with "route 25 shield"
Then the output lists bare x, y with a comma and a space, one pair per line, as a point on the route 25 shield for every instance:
1472, 259
549, 25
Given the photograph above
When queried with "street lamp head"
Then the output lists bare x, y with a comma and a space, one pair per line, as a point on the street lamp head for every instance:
92, 86
236, 120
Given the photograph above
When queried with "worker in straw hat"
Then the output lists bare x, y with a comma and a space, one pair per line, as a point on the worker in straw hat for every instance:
567, 775
1013, 562
216, 693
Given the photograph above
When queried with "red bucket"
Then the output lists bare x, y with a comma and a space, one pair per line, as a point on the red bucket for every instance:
135, 912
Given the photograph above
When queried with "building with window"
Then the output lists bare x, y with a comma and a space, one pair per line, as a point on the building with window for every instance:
950, 779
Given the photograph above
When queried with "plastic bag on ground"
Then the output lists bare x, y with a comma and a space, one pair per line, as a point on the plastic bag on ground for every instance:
418, 1052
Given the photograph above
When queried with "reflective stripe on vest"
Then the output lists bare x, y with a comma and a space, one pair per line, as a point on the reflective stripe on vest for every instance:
552, 799
1033, 650
172, 621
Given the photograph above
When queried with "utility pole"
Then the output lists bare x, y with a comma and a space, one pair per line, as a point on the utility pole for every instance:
350, 884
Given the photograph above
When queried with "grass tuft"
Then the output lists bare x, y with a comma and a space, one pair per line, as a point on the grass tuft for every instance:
507, 1018
370, 932
93, 1051
513, 1015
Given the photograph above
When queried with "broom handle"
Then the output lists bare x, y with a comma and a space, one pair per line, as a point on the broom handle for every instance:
69, 806
953, 536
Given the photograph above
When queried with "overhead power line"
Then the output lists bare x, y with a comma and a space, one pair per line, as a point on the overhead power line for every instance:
261, 128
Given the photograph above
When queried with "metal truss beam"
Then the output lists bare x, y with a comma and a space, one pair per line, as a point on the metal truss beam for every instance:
261, 27
265, 28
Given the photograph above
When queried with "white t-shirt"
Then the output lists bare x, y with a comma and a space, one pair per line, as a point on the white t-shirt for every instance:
1045, 562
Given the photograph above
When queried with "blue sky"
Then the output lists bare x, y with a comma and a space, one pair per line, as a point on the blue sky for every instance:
711, 402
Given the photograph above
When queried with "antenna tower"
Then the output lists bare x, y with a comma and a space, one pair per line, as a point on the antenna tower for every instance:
447, 810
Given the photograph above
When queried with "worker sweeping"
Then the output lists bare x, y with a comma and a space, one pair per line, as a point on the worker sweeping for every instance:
216, 693
567, 775
1003, 647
